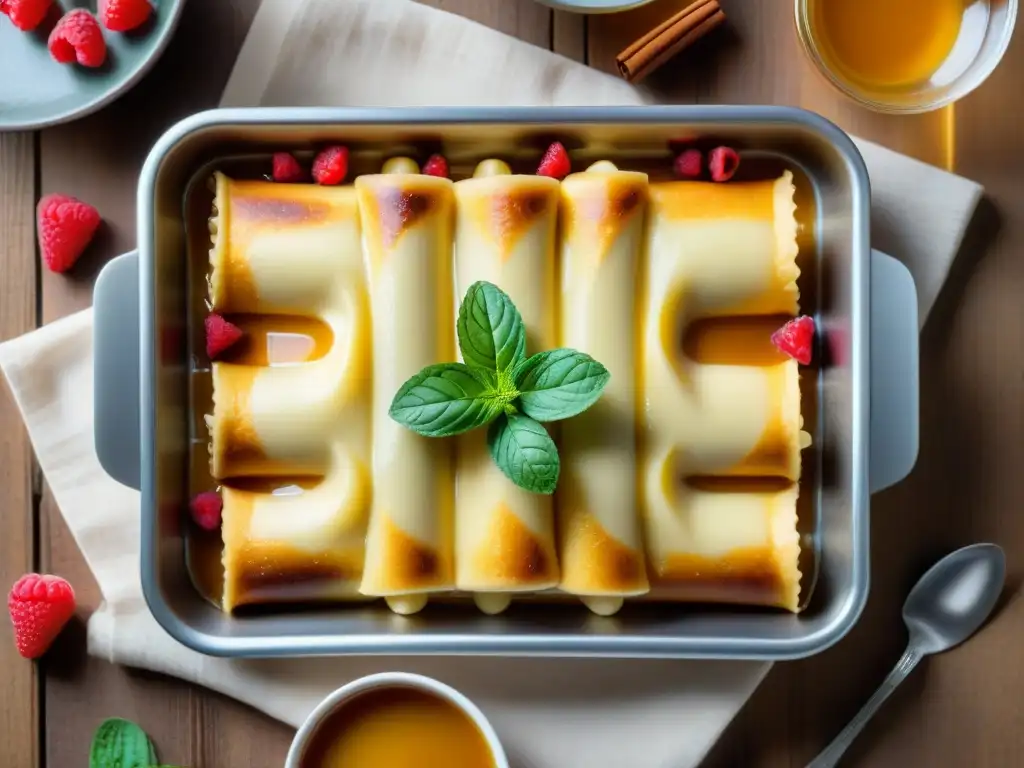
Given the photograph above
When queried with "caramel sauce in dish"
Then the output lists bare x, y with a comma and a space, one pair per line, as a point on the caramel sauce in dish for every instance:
896, 44
397, 727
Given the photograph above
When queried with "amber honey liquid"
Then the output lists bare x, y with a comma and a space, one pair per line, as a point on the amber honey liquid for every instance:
889, 43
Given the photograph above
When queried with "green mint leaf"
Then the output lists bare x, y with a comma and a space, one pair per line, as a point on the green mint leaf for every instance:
559, 384
525, 452
490, 329
121, 743
448, 399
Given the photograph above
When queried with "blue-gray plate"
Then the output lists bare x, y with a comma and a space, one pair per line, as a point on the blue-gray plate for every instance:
36, 91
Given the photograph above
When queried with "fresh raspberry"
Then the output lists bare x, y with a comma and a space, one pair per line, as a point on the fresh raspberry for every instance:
65, 226
220, 334
287, 168
331, 165
796, 339
436, 165
689, 164
206, 508
40, 605
26, 14
723, 163
124, 15
78, 37
555, 162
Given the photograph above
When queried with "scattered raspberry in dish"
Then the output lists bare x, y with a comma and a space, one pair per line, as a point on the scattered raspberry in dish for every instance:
555, 162
124, 15
65, 226
796, 339
723, 162
331, 165
206, 508
436, 165
40, 605
26, 15
287, 168
689, 164
78, 37
220, 334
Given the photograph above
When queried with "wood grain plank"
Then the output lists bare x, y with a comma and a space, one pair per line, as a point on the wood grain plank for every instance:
569, 35
525, 19
19, 708
98, 158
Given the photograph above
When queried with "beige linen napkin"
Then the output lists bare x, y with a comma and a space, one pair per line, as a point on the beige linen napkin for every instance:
388, 52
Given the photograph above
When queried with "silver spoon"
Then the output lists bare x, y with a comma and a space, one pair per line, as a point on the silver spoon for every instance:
946, 606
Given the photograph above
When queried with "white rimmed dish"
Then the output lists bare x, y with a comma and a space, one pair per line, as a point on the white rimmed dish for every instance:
344, 695
595, 6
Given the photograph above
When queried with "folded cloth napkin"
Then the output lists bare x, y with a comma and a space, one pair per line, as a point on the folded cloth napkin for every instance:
549, 713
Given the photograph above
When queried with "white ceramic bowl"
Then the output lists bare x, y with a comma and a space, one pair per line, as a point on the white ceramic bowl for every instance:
393, 680
595, 6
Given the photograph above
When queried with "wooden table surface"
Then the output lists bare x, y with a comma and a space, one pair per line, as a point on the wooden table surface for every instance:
960, 709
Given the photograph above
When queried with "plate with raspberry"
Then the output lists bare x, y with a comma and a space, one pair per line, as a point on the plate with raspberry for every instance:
70, 58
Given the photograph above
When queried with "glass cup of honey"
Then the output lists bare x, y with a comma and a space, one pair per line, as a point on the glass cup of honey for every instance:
905, 56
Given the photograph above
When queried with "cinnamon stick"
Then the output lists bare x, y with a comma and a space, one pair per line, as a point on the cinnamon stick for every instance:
649, 52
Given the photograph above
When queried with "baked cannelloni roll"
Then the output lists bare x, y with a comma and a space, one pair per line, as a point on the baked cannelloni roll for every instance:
600, 548
297, 544
287, 250
505, 234
715, 250
724, 545
722, 249
277, 248
407, 225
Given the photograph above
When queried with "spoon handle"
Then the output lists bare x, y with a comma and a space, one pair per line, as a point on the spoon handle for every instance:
830, 756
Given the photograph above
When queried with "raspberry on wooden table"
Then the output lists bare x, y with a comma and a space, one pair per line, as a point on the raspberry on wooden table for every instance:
331, 165
689, 164
124, 15
206, 508
65, 226
78, 37
555, 162
40, 605
26, 15
436, 165
796, 339
220, 334
286, 168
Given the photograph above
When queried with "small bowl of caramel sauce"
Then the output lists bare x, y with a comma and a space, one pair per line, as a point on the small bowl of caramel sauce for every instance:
396, 720
905, 56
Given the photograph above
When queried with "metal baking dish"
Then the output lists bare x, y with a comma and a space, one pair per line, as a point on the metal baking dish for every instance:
866, 430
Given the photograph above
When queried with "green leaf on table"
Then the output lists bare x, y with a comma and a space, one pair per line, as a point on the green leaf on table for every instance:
490, 329
120, 743
448, 399
559, 384
525, 452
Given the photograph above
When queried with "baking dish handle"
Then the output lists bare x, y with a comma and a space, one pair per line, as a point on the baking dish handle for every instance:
116, 382
895, 376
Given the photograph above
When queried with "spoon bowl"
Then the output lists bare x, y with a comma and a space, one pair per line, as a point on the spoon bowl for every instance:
954, 597
946, 606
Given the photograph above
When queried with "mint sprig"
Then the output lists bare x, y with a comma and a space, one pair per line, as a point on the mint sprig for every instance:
120, 743
525, 452
499, 385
